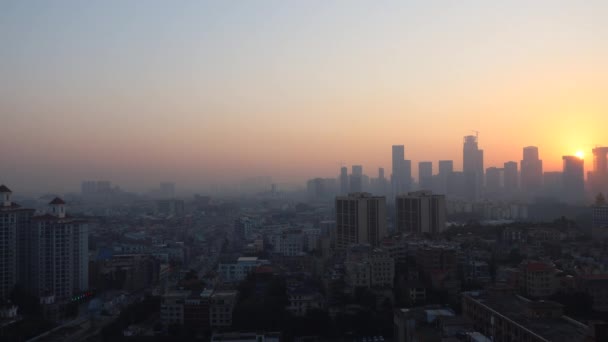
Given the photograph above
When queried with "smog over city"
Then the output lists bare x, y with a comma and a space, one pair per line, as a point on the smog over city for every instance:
271, 170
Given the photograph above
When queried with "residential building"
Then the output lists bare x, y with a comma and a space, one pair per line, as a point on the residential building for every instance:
538, 279
507, 317
360, 219
56, 254
420, 212
237, 270
13, 221
221, 308
599, 217
369, 267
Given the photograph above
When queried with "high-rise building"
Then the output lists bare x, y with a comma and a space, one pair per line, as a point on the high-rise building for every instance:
494, 180
599, 217
552, 184
343, 180
420, 212
531, 170
425, 175
511, 176
401, 178
573, 179
598, 178
360, 219
57, 254
456, 185
13, 219
356, 178
472, 166
446, 167
380, 185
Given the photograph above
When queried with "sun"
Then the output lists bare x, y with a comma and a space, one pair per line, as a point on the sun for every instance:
580, 154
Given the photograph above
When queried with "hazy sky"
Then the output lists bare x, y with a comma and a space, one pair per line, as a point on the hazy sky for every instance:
211, 91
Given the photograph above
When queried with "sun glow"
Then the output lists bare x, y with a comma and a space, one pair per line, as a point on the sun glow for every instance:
580, 154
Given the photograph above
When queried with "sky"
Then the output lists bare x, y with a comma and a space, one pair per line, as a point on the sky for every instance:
209, 92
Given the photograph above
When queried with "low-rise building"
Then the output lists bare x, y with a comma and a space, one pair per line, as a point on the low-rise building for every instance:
221, 308
504, 317
238, 270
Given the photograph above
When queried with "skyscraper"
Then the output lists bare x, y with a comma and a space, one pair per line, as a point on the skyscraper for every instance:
425, 175
420, 212
511, 176
494, 180
472, 166
343, 180
356, 178
398, 175
13, 219
446, 167
360, 219
531, 170
57, 258
380, 185
573, 178
598, 178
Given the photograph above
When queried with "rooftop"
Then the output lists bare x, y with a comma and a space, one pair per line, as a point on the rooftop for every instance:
516, 308
4, 188
57, 200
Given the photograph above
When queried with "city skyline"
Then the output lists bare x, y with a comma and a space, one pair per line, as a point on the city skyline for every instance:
192, 93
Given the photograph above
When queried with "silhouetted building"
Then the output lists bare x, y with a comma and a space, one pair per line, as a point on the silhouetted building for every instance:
552, 184
511, 176
472, 166
573, 179
170, 207
13, 221
57, 254
531, 170
401, 178
494, 180
380, 185
446, 167
420, 212
343, 180
425, 175
356, 179
456, 185
598, 178
321, 188
360, 219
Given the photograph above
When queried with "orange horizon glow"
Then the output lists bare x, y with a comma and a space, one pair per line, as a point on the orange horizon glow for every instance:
215, 93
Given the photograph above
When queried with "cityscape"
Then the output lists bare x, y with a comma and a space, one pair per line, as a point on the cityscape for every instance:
269, 171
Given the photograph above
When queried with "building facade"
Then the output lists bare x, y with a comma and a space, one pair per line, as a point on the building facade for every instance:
420, 212
56, 254
360, 219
